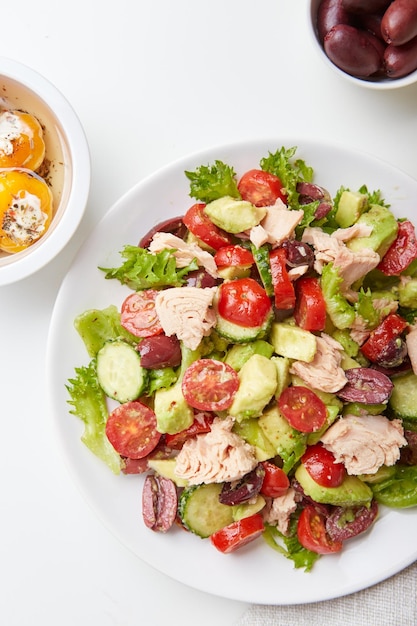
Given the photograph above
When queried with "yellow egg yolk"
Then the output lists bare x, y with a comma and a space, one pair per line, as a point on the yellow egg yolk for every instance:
21, 140
26, 206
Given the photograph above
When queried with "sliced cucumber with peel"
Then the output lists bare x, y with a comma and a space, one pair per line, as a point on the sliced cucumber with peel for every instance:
201, 511
119, 371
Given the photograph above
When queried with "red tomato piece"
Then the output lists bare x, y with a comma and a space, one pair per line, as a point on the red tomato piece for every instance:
138, 314
200, 225
276, 481
233, 256
390, 328
210, 385
312, 534
131, 429
302, 408
310, 305
238, 534
284, 292
322, 467
244, 302
261, 188
402, 252
202, 424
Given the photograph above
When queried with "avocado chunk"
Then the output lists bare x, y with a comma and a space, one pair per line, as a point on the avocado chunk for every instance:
351, 206
258, 383
246, 509
407, 293
352, 491
384, 230
403, 400
234, 216
166, 469
293, 342
173, 414
238, 354
253, 434
289, 444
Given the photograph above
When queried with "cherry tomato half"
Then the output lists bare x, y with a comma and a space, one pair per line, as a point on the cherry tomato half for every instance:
210, 385
302, 408
322, 467
238, 534
390, 328
261, 188
275, 482
312, 534
200, 225
138, 314
202, 424
402, 251
233, 256
244, 302
310, 306
131, 429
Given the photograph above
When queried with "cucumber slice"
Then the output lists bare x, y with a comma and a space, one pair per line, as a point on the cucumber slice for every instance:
119, 371
261, 256
403, 400
201, 512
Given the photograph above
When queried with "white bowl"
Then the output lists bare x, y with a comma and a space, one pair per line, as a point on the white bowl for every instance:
370, 83
69, 164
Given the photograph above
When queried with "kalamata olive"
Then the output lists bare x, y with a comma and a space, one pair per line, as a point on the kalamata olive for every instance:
365, 6
159, 351
159, 503
172, 225
408, 454
329, 14
370, 22
399, 22
298, 253
245, 489
400, 60
345, 523
393, 353
309, 192
351, 50
199, 278
366, 385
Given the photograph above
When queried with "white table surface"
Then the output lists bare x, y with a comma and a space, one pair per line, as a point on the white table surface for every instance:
151, 82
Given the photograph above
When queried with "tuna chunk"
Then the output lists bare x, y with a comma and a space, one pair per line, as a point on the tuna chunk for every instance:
323, 372
186, 313
278, 225
365, 443
332, 249
215, 457
278, 511
184, 252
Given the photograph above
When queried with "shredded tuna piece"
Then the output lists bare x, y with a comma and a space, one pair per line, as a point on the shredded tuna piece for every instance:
331, 249
278, 225
357, 230
215, 457
183, 252
363, 444
297, 272
278, 511
186, 313
323, 372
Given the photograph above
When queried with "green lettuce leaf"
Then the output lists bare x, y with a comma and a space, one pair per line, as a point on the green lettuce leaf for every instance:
210, 182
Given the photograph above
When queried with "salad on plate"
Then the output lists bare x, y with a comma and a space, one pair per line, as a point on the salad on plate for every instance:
261, 372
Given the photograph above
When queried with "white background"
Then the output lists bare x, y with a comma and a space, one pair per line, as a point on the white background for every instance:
150, 81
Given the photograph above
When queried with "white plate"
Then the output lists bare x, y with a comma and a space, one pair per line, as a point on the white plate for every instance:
256, 574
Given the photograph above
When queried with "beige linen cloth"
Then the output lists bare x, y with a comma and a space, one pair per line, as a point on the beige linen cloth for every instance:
392, 602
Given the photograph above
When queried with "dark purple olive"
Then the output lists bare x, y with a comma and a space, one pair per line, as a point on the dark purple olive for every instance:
408, 454
245, 489
351, 50
393, 353
159, 351
345, 523
366, 385
365, 6
159, 503
298, 253
199, 278
173, 225
330, 13
310, 192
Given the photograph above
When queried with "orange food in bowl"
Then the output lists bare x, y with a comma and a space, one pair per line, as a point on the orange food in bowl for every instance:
21, 140
25, 209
